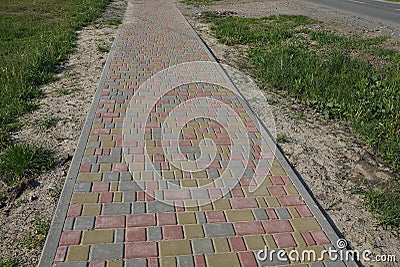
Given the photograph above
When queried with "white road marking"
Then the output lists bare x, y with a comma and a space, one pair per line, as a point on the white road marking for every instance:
355, 1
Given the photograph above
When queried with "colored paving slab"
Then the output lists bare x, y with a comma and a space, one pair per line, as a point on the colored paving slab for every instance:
174, 169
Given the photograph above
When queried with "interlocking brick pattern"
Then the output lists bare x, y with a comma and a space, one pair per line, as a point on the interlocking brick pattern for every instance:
180, 195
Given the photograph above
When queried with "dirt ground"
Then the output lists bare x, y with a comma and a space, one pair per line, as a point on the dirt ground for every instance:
67, 101
323, 152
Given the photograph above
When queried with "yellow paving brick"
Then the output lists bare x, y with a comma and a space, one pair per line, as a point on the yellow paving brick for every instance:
261, 191
254, 242
168, 262
105, 167
105, 138
205, 204
113, 186
293, 212
311, 254
203, 182
178, 175
98, 126
225, 259
77, 253
97, 237
277, 169
269, 241
221, 245
222, 204
93, 138
239, 215
174, 247
199, 175
272, 202
188, 183
82, 198
261, 202
191, 205
89, 177
299, 239
116, 131
107, 144
115, 263
168, 175
117, 197
186, 218
305, 224
291, 190
89, 152
91, 209
193, 231
118, 120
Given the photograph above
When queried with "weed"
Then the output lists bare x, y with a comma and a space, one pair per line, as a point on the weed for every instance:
386, 204
102, 49
50, 122
282, 138
199, 2
113, 22
10, 262
24, 161
38, 235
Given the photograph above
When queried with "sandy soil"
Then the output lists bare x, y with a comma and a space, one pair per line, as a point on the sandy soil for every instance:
323, 152
67, 100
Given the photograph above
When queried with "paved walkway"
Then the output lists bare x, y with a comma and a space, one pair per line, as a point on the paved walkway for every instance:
173, 168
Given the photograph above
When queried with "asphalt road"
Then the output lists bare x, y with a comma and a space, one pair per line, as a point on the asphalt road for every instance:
387, 11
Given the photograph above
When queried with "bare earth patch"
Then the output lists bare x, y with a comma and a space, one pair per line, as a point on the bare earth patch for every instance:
328, 155
57, 124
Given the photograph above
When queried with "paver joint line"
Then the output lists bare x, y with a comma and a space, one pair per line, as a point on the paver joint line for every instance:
165, 169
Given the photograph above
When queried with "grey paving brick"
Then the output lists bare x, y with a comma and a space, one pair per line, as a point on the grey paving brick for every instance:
82, 187
213, 173
199, 193
95, 167
84, 223
119, 235
158, 206
334, 264
201, 217
129, 186
70, 264
110, 176
107, 251
283, 213
216, 230
135, 262
109, 159
260, 214
185, 261
272, 259
126, 176
154, 233
69, 223
316, 264
202, 246
116, 208
129, 196
138, 207
93, 145
89, 159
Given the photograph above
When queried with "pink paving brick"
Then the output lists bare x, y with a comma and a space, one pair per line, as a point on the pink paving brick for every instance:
119, 167
237, 192
236, 243
74, 210
243, 203
176, 194
247, 259
286, 180
140, 195
60, 254
135, 220
277, 226
70, 238
295, 200
141, 250
284, 240
100, 131
85, 167
304, 211
152, 262
167, 218
97, 264
215, 193
106, 197
308, 238
248, 228
171, 232
135, 234
277, 180
320, 237
271, 213
276, 190
100, 186
151, 185
215, 216
199, 261
109, 222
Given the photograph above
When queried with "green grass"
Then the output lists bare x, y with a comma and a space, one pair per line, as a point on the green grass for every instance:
35, 36
49, 122
12, 262
114, 22
343, 77
37, 237
24, 160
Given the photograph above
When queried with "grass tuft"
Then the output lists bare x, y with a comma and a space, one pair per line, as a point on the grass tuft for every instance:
24, 160
11, 262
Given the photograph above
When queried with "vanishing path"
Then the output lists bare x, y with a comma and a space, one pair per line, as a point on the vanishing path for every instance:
173, 168
383, 10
